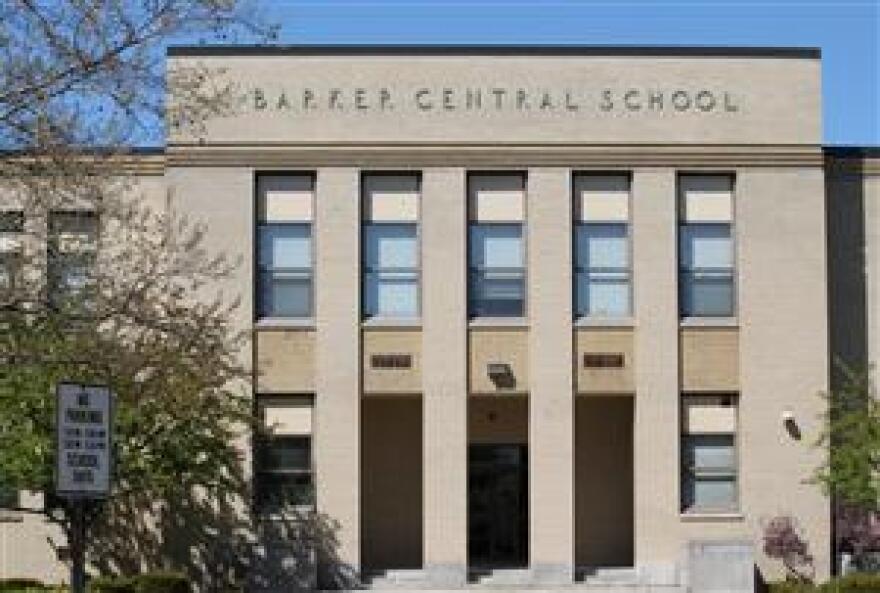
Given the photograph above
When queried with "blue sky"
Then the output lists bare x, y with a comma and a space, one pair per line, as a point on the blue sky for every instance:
847, 31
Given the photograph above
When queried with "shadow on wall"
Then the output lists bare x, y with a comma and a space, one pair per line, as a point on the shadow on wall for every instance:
220, 544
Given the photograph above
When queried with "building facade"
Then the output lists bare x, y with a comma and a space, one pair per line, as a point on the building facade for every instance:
549, 315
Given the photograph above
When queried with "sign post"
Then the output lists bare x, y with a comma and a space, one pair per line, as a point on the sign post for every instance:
83, 457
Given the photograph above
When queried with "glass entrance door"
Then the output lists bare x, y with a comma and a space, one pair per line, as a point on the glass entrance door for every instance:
498, 508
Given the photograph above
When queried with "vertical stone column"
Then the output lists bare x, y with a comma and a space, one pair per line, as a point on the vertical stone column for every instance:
444, 374
781, 260
337, 356
551, 392
656, 430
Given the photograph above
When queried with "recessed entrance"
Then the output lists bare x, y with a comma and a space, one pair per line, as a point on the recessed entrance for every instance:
498, 507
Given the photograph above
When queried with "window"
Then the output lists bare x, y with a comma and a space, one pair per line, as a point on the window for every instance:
72, 248
496, 269
284, 245
391, 267
11, 228
709, 459
283, 456
706, 269
602, 254
8, 497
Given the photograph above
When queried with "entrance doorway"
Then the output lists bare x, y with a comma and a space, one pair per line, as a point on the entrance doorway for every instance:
498, 505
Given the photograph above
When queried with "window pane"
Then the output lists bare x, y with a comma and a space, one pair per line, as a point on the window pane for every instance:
603, 294
602, 246
11, 221
286, 454
496, 246
276, 491
391, 246
391, 270
710, 452
707, 294
285, 246
706, 246
710, 494
285, 294
497, 294
392, 294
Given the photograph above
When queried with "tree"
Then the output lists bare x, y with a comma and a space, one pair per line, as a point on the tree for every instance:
101, 282
851, 433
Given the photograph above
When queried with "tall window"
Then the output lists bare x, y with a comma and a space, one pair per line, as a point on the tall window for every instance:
284, 245
496, 256
72, 248
283, 455
602, 254
391, 258
706, 268
708, 450
11, 229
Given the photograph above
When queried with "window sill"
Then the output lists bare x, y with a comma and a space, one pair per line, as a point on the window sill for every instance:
284, 323
605, 322
709, 322
392, 322
498, 322
710, 517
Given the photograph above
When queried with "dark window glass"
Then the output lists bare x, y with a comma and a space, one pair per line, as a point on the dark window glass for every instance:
284, 258
496, 270
602, 278
283, 473
706, 270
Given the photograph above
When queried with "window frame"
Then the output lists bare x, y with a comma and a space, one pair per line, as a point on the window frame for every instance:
367, 270
11, 260
578, 269
263, 438
365, 222
57, 261
256, 304
687, 475
731, 225
473, 271
472, 222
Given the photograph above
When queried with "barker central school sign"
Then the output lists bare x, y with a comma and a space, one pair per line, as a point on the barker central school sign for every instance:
307, 100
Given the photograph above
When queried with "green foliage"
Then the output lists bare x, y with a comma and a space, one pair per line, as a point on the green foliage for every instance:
852, 434
23, 586
854, 583
111, 585
150, 582
162, 582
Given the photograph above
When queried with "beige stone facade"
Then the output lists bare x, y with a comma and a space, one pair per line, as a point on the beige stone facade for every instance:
592, 406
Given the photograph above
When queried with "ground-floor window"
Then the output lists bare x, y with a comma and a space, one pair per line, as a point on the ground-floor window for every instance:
709, 476
283, 477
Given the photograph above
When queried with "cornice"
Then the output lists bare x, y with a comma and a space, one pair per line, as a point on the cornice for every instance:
405, 155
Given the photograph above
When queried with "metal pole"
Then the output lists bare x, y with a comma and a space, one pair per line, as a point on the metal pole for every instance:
77, 547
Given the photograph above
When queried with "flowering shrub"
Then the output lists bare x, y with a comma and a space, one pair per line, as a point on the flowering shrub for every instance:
783, 541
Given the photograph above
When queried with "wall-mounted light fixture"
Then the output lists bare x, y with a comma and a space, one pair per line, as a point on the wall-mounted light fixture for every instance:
790, 423
500, 374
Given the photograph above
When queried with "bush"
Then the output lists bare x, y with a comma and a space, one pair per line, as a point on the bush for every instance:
111, 585
854, 583
21, 585
162, 582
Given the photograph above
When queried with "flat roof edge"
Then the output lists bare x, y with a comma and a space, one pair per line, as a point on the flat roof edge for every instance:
497, 50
